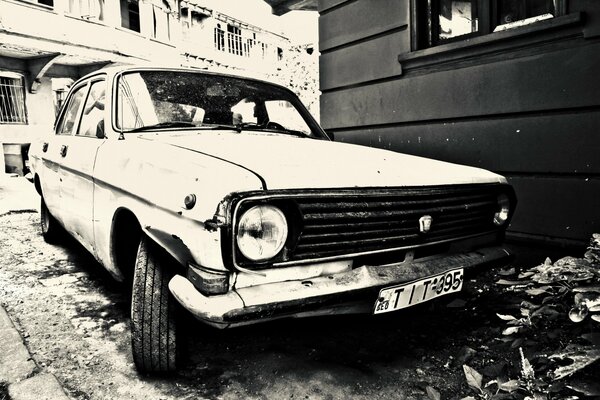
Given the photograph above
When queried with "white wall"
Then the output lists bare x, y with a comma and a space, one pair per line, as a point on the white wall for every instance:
40, 116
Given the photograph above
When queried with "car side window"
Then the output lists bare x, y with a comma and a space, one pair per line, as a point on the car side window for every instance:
69, 117
92, 119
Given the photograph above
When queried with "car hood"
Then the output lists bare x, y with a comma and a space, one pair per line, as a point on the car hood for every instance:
288, 162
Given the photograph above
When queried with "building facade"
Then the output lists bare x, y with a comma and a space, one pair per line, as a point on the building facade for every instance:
510, 86
46, 44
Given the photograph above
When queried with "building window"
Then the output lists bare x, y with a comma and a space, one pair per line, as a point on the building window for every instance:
234, 39
130, 15
88, 9
161, 23
219, 38
249, 45
184, 15
444, 21
264, 50
12, 99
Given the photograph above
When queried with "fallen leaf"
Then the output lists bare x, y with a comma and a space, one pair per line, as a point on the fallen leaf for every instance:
432, 393
504, 317
491, 383
507, 272
548, 299
587, 289
547, 311
474, 378
509, 386
509, 283
581, 357
591, 389
499, 368
502, 396
511, 330
536, 291
590, 299
567, 269
516, 343
556, 387
465, 354
526, 274
593, 338
596, 318
468, 398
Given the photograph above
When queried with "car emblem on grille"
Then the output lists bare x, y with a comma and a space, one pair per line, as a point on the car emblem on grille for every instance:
425, 223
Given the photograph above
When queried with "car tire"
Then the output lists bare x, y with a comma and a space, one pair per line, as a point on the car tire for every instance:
52, 231
153, 311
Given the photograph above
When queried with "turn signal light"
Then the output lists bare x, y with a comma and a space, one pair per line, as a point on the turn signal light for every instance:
501, 216
208, 282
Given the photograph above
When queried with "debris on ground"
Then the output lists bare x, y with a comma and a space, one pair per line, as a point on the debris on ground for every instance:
555, 325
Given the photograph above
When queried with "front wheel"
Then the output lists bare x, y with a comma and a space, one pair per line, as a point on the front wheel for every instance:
51, 229
153, 328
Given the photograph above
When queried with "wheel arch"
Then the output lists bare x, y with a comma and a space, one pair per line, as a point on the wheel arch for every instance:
125, 234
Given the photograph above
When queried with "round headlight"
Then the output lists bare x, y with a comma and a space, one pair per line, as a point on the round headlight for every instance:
262, 232
501, 216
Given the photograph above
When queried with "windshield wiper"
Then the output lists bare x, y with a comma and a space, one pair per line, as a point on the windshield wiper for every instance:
220, 126
167, 124
252, 126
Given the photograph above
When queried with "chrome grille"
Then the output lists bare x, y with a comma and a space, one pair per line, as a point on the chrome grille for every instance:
362, 221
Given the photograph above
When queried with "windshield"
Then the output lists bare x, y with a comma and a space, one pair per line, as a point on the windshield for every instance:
164, 100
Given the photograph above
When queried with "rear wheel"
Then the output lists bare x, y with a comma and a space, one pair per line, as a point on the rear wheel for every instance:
153, 309
51, 229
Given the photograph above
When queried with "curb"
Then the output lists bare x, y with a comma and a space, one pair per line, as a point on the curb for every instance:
18, 369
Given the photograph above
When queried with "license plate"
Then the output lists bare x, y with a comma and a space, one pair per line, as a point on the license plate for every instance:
410, 294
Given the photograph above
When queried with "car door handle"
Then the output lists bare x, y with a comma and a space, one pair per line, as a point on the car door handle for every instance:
45, 147
63, 150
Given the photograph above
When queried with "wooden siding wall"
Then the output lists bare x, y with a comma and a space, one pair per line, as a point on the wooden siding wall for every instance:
525, 104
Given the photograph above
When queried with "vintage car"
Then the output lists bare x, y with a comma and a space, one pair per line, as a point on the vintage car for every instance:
223, 194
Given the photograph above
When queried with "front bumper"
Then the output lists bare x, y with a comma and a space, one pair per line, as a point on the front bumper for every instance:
346, 292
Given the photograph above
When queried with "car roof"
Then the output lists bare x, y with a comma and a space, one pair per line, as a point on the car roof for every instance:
112, 70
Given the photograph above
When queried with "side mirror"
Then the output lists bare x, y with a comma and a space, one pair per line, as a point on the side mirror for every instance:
330, 135
99, 104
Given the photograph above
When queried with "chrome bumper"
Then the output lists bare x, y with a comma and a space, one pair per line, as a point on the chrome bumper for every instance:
352, 291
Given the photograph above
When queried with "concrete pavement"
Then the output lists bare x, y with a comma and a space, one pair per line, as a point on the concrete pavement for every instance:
17, 368
17, 194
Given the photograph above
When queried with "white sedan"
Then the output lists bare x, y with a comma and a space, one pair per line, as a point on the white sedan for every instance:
223, 195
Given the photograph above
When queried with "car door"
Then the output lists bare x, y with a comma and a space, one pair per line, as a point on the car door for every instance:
77, 164
51, 152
